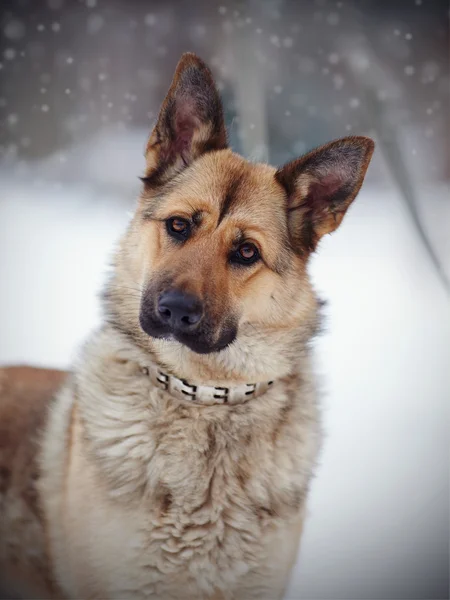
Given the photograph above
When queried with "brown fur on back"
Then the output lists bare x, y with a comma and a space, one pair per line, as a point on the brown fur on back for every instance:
25, 394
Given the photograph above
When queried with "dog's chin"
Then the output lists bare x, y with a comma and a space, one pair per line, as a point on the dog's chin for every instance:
197, 342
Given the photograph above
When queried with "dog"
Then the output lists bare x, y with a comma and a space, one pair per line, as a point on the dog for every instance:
174, 460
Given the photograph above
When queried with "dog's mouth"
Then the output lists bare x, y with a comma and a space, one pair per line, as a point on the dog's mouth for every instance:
202, 340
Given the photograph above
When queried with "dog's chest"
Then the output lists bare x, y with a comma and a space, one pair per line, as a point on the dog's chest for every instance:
192, 502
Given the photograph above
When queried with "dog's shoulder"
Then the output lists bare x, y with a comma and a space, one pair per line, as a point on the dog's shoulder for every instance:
25, 394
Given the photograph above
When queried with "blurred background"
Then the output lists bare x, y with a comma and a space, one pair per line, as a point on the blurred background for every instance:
81, 82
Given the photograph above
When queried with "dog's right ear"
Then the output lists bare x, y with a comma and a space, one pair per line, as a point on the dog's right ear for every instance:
190, 122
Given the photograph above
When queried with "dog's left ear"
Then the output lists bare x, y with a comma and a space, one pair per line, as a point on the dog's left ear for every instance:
190, 122
320, 187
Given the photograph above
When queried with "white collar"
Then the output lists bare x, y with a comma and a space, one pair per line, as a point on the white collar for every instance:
204, 394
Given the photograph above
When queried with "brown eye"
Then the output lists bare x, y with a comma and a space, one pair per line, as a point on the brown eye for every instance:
178, 228
246, 254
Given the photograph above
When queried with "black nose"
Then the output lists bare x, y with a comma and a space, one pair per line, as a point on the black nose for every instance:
179, 310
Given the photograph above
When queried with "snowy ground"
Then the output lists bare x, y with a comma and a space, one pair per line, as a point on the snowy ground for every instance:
378, 522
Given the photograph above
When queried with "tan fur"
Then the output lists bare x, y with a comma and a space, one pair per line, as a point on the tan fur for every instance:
141, 495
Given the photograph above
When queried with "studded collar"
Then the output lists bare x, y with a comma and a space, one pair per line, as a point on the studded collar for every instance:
204, 394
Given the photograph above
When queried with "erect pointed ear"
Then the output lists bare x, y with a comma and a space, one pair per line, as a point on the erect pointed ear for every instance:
190, 122
321, 185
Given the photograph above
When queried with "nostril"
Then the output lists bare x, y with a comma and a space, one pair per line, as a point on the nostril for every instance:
191, 319
164, 312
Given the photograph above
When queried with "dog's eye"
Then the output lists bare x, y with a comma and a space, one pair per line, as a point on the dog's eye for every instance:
246, 254
178, 228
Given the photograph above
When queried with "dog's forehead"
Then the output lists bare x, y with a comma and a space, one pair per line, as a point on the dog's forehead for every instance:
229, 184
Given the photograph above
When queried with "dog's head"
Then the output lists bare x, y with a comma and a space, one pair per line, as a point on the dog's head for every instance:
218, 246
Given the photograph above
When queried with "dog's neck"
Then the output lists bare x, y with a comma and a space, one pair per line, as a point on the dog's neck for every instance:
200, 394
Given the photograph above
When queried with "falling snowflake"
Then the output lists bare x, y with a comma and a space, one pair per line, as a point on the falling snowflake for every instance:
9, 54
333, 58
14, 30
338, 81
275, 40
333, 19
150, 20
409, 70
94, 24
13, 119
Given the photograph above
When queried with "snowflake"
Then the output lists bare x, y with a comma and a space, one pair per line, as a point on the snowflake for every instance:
333, 19
67, 91
288, 42
14, 30
91, 3
45, 108
222, 10
13, 119
94, 24
354, 103
41, 27
409, 70
278, 89
69, 60
56, 27
333, 58
150, 20
275, 40
408, 36
9, 54
338, 81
